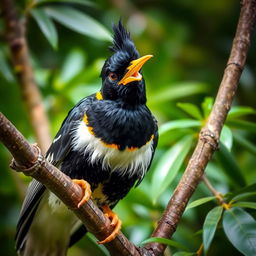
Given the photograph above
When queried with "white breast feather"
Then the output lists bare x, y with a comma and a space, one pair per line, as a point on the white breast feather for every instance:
123, 161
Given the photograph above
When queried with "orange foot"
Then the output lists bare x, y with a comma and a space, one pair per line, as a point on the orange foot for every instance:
87, 191
115, 222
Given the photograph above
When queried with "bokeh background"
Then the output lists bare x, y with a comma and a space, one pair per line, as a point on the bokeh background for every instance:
190, 41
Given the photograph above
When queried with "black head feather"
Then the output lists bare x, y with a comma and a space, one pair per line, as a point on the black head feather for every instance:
122, 41
124, 51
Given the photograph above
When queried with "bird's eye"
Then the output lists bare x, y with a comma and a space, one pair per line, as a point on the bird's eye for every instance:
112, 76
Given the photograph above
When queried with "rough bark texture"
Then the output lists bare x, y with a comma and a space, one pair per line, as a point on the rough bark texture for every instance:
29, 160
15, 35
210, 133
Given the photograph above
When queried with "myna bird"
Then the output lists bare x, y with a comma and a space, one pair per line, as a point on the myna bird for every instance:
106, 144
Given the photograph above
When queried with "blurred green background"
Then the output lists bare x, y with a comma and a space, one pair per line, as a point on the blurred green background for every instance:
190, 41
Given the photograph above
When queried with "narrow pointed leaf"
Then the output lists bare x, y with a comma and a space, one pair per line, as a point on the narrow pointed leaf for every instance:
177, 91
185, 254
226, 137
240, 228
207, 106
74, 63
46, 25
239, 111
5, 68
230, 166
243, 196
178, 124
164, 241
242, 125
191, 109
82, 2
200, 202
169, 165
237, 195
250, 147
251, 205
210, 225
79, 22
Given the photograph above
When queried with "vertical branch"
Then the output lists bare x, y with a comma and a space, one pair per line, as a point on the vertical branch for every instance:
210, 133
15, 34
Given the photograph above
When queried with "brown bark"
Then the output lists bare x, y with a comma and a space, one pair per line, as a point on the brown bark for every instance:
210, 133
29, 160
15, 35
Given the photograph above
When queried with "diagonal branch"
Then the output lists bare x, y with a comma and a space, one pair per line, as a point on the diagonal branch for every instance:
210, 133
29, 160
15, 34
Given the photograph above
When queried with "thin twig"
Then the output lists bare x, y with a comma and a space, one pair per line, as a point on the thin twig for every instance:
15, 35
210, 133
216, 193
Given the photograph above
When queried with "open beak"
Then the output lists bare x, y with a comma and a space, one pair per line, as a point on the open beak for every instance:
132, 73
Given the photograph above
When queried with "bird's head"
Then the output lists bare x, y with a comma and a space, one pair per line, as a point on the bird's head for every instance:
121, 76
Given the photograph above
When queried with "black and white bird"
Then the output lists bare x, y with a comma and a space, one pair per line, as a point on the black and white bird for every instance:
108, 140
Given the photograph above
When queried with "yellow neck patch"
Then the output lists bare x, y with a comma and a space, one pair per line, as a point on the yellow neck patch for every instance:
99, 96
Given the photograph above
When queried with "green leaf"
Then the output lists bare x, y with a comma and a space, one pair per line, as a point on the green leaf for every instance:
243, 196
241, 193
200, 201
177, 91
79, 22
169, 165
226, 137
164, 241
184, 254
178, 124
210, 225
242, 125
238, 111
73, 64
240, 228
191, 109
81, 2
5, 69
46, 25
251, 205
207, 106
245, 143
230, 166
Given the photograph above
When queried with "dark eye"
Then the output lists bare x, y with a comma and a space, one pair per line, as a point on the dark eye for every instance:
112, 76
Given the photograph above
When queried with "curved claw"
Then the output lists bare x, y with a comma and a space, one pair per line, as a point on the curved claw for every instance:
115, 222
87, 191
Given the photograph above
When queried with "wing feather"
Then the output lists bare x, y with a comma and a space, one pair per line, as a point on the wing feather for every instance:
56, 153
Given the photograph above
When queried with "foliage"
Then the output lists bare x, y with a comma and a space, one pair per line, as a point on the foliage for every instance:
190, 48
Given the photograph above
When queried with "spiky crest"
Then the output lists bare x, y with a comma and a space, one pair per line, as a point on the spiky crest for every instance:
122, 41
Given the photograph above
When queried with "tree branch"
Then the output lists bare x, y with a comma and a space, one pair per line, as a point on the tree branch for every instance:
210, 133
15, 34
29, 160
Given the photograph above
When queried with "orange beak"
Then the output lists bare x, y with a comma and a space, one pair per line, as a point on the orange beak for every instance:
132, 73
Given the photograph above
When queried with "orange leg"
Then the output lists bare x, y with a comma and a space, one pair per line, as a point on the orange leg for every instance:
87, 191
115, 222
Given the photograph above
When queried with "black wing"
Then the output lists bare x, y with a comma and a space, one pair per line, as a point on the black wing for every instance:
56, 153
62, 142
30, 204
